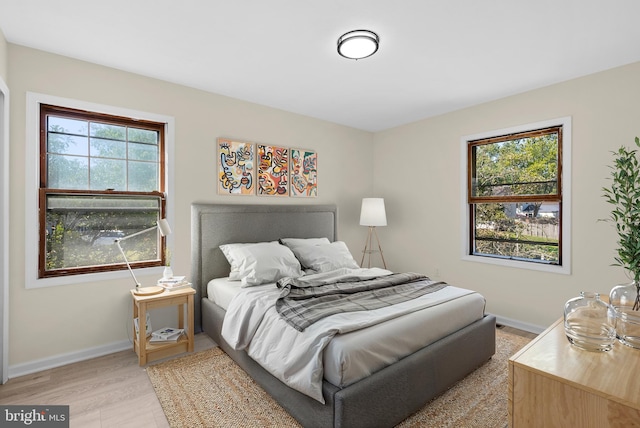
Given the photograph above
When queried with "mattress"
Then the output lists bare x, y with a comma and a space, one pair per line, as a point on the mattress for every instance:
353, 356
221, 291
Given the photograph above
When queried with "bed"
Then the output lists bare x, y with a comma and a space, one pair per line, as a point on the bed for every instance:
382, 399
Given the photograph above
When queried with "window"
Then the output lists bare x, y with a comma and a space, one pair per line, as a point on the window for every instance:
101, 177
515, 195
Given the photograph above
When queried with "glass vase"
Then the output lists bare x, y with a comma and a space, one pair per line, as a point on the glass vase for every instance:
167, 273
625, 299
589, 323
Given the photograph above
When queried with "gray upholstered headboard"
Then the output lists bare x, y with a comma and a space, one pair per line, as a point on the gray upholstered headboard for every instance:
215, 224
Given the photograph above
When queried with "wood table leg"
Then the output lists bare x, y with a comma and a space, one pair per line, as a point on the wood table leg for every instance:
190, 327
142, 335
133, 327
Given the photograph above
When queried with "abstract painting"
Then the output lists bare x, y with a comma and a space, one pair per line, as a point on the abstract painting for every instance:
273, 170
235, 167
304, 173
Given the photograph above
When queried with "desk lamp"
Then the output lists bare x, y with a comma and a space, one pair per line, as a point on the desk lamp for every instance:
163, 226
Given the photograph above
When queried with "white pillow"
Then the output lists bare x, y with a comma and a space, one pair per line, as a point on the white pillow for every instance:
234, 275
326, 257
293, 243
264, 263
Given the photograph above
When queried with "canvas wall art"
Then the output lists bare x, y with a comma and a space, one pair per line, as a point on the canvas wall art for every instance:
304, 173
236, 173
273, 171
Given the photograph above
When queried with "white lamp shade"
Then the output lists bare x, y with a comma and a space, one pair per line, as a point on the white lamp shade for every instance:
372, 212
163, 227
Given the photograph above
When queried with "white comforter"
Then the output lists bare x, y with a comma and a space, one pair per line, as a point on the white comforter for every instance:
253, 324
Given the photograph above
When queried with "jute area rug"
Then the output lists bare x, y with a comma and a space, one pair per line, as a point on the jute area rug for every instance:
207, 389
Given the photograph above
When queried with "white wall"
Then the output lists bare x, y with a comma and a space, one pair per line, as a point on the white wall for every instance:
417, 171
3, 57
63, 322
415, 168
4, 212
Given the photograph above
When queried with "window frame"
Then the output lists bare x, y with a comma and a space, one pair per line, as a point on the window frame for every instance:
34, 256
563, 196
47, 190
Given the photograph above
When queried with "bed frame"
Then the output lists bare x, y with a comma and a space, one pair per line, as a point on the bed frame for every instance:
381, 400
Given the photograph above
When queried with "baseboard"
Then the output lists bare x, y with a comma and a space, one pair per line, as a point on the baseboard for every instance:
64, 359
531, 328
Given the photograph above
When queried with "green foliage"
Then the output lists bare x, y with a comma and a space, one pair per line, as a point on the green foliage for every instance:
518, 167
122, 158
509, 238
517, 250
82, 234
624, 195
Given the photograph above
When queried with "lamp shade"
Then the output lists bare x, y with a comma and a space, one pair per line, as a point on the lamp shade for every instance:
163, 227
372, 212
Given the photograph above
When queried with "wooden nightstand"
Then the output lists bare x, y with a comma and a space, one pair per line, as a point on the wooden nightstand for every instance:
148, 351
554, 384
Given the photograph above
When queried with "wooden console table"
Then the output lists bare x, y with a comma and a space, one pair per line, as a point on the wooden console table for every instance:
554, 384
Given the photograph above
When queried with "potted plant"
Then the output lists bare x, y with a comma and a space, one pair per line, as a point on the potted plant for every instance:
624, 196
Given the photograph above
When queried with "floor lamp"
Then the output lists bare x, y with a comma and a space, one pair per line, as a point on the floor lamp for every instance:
372, 214
163, 226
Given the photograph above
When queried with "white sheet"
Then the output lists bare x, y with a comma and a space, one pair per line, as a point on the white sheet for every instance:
222, 290
364, 345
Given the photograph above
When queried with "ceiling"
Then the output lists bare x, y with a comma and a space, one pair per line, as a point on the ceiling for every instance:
435, 56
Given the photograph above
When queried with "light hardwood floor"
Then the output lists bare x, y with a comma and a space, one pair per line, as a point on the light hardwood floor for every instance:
109, 391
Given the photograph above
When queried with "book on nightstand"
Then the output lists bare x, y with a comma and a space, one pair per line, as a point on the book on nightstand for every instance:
172, 280
167, 334
174, 283
136, 323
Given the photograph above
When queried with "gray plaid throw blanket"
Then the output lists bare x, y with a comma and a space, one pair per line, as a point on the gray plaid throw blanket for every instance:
304, 302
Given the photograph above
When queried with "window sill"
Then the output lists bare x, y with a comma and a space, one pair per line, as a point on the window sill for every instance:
518, 264
33, 282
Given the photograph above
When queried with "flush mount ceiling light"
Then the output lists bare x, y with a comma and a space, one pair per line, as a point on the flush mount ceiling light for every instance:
358, 44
